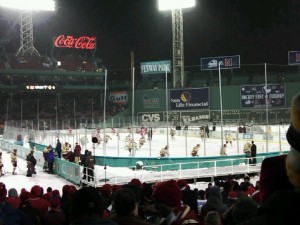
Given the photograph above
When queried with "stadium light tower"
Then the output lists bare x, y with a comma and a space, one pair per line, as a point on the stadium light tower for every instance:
26, 27
177, 29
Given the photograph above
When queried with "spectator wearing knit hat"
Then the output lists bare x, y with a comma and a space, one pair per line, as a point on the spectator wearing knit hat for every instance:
13, 198
188, 196
9, 215
214, 202
25, 206
55, 214
37, 201
168, 203
106, 192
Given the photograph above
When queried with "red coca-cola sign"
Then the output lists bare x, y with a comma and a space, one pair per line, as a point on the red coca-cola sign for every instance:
83, 42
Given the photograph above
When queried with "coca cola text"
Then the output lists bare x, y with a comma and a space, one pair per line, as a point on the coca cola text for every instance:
83, 42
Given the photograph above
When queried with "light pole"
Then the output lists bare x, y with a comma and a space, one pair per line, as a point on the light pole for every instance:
26, 26
177, 29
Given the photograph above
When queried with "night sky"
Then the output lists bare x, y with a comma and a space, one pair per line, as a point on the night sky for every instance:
257, 30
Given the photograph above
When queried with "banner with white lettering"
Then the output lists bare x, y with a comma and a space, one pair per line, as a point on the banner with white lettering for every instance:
151, 117
189, 99
156, 67
225, 62
256, 96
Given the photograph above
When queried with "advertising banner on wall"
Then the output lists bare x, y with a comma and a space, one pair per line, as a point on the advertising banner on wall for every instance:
175, 117
118, 97
226, 62
256, 96
150, 102
151, 117
294, 57
189, 99
156, 67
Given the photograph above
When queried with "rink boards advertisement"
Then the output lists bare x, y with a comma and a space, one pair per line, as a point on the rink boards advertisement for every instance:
189, 99
256, 96
185, 117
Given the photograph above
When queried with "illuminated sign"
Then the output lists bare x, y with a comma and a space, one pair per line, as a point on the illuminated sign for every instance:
83, 42
40, 87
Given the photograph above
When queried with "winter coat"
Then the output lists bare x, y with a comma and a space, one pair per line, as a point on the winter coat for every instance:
77, 151
50, 156
11, 216
282, 207
89, 160
184, 216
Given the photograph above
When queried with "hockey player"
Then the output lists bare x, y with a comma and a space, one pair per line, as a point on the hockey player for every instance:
99, 138
142, 141
172, 133
45, 153
195, 150
31, 162
164, 152
247, 151
107, 138
202, 133
223, 150
132, 146
14, 158
128, 138
229, 139
65, 149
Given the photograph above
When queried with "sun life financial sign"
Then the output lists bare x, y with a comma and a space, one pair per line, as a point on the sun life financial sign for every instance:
83, 42
156, 67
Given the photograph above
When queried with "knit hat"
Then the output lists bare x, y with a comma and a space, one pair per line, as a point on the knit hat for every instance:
182, 183
54, 203
232, 195
136, 182
65, 189
12, 193
24, 196
106, 190
215, 191
293, 138
36, 191
55, 193
168, 192
3, 192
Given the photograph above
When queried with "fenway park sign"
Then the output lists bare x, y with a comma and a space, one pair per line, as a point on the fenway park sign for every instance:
83, 42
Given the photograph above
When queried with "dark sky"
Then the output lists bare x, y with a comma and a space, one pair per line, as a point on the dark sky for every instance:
257, 30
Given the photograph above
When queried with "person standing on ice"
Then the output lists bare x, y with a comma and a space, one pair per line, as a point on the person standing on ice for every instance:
77, 152
223, 150
172, 133
58, 148
14, 160
247, 151
195, 150
164, 152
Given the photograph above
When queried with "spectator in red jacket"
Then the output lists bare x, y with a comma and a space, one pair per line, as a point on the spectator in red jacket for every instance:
77, 151
168, 203
13, 198
37, 201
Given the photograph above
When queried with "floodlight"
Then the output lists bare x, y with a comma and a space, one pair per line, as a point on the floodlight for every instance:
175, 4
44, 5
